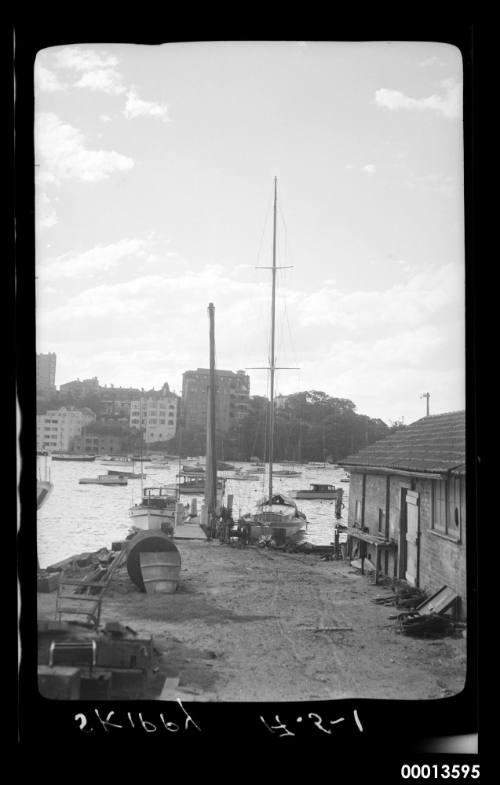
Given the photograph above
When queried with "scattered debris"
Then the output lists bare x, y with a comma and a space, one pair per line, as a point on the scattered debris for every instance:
404, 597
431, 625
439, 602
117, 630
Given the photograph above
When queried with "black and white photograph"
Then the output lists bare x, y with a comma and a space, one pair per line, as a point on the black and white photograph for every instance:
250, 320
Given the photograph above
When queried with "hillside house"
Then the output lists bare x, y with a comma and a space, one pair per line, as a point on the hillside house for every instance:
407, 508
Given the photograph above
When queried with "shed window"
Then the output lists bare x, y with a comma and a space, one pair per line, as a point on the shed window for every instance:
357, 513
447, 496
381, 521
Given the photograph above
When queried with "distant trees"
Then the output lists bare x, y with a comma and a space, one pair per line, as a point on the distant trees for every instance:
311, 426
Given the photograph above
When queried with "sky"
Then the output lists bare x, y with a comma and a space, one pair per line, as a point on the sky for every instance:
155, 170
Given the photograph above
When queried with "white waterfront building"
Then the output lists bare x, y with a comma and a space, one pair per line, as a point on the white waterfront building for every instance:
56, 429
156, 415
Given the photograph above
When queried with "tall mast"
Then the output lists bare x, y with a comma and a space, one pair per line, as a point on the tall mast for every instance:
272, 359
211, 458
272, 367
142, 440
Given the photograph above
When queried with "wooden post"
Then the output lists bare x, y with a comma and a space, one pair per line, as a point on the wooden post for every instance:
211, 461
179, 513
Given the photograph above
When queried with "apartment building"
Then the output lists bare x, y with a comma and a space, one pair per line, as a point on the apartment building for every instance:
156, 414
56, 429
232, 399
97, 444
80, 388
46, 373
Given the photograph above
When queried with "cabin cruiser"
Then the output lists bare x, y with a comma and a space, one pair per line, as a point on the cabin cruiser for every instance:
278, 516
319, 491
156, 509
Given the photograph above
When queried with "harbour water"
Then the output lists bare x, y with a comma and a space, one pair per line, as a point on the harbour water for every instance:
78, 518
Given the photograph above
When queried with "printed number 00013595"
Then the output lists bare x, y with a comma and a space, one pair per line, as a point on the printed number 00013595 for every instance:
440, 771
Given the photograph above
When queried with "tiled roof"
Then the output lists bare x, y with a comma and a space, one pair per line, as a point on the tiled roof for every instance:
432, 444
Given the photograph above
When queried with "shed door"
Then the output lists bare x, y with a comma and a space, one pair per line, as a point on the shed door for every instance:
412, 534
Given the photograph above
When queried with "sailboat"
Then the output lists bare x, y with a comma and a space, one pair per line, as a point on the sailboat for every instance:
277, 514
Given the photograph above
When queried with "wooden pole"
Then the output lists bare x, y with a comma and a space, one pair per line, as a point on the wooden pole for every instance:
211, 458
272, 359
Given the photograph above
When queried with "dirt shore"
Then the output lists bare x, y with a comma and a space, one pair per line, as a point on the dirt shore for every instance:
253, 624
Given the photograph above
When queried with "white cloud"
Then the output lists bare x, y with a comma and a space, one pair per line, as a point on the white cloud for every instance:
105, 118
434, 60
101, 258
136, 107
448, 105
369, 169
400, 307
96, 69
106, 80
380, 361
84, 59
62, 155
46, 80
46, 216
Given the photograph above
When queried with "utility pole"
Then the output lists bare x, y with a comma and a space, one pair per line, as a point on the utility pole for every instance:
426, 395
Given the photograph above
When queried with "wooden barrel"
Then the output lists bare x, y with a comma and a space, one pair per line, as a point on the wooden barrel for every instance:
148, 542
160, 571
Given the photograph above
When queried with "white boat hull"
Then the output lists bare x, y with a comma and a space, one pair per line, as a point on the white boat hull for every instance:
150, 519
263, 528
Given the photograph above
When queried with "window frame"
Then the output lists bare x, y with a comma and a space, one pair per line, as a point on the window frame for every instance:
450, 503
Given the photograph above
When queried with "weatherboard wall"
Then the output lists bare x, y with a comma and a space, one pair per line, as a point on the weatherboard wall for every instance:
441, 559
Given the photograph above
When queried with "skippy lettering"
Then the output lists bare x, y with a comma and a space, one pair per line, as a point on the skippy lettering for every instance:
282, 730
111, 721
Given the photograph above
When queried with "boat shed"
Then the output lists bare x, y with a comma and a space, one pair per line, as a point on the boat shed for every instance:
407, 509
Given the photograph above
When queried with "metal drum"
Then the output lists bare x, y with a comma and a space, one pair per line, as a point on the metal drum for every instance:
153, 559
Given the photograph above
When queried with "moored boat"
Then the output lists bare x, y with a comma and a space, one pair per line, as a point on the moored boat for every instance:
68, 457
277, 516
118, 460
104, 479
128, 475
155, 510
194, 484
225, 467
245, 476
198, 469
319, 491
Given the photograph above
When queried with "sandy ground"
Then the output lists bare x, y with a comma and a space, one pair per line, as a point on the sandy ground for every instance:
248, 624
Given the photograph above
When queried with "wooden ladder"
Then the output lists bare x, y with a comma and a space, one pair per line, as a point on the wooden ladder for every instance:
81, 597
